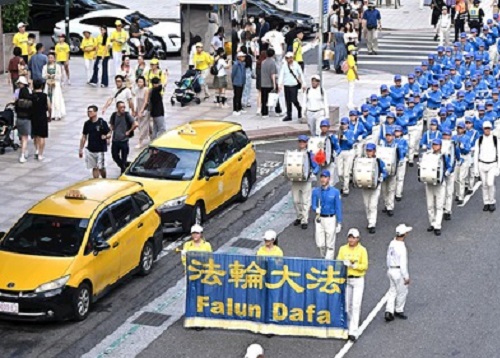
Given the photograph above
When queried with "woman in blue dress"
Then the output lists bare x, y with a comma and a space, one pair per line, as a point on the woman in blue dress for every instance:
340, 50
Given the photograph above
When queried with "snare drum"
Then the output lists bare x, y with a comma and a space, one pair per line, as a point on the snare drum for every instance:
317, 144
297, 165
365, 173
431, 168
390, 158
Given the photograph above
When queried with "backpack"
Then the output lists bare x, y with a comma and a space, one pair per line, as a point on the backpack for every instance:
112, 121
321, 88
214, 70
344, 66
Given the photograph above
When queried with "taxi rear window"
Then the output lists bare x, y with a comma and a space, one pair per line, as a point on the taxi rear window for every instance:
45, 235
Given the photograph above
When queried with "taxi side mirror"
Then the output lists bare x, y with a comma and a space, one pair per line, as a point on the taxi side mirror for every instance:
212, 173
101, 246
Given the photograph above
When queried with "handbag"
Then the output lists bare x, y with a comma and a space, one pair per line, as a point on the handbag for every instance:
272, 100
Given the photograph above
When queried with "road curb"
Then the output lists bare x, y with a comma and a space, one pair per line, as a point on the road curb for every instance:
275, 132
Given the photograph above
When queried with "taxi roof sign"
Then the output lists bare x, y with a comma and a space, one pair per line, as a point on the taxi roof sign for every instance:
187, 129
75, 194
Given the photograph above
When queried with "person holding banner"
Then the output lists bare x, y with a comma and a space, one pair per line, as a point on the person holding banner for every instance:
327, 205
197, 243
397, 271
269, 248
355, 257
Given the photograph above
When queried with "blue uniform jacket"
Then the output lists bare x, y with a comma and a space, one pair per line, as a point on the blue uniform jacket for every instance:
374, 111
457, 81
329, 202
447, 90
419, 110
422, 81
491, 116
368, 122
470, 98
314, 166
434, 99
384, 103
347, 140
403, 122
473, 137
411, 114
397, 95
335, 143
428, 136
358, 129
382, 172
411, 88
490, 81
459, 108
462, 142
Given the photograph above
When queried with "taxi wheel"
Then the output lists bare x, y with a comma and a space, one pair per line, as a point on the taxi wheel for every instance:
81, 302
245, 188
147, 259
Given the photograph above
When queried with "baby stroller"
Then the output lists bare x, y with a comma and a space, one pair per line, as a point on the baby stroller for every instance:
7, 128
187, 89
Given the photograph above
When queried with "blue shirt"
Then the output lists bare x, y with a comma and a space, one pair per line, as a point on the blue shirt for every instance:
397, 94
347, 140
384, 103
358, 129
459, 108
372, 16
329, 202
473, 137
368, 122
374, 111
434, 99
35, 66
428, 136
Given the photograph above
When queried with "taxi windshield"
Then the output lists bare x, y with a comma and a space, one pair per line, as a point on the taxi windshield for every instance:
166, 163
45, 235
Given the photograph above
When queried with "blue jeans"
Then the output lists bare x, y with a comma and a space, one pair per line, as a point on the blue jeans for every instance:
248, 88
95, 75
119, 152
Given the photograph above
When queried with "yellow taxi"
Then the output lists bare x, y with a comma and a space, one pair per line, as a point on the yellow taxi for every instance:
72, 247
195, 168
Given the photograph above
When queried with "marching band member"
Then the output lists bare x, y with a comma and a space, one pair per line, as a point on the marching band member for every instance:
402, 145
384, 101
443, 121
433, 98
270, 247
324, 126
473, 137
430, 134
463, 167
487, 165
371, 196
401, 119
355, 257
435, 194
327, 205
389, 123
397, 92
460, 105
449, 181
490, 115
479, 119
367, 120
374, 109
421, 79
451, 118
197, 243
347, 140
359, 131
412, 86
469, 98
301, 190
388, 186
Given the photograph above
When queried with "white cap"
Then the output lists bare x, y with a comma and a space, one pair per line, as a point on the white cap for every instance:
315, 77
402, 229
487, 124
269, 235
254, 351
289, 54
353, 232
23, 80
240, 54
196, 228
21, 24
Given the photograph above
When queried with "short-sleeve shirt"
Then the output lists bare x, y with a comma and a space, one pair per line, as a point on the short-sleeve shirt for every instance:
268, 68
121, 124
62, 52
297, 48
88, 42
371, 17
120, 39
102, 50
124, 96
94, 131
21, 40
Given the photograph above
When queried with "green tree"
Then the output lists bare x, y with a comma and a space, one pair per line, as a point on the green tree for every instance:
13, 14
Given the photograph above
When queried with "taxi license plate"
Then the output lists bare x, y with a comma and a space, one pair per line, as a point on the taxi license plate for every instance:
9, 307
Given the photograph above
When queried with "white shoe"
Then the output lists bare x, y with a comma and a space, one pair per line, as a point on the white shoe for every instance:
22, 159
242, 111
138, 146
264, 117
236, 113
41, 158
68, 82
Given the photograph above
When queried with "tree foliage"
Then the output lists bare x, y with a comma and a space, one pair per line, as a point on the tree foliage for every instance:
13, 14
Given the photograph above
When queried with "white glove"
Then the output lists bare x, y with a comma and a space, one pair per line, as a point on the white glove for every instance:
318, 211
313, 177
347, 263
339, 228
447, 173
380, 179
183, 253
360, 138
424, 147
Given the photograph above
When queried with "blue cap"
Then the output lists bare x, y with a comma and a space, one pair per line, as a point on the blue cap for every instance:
389, 131
463, 35
344, 120
373, 97
487, 68
364, 107
440, 49
416, 94
411, 76
370, 146
448, 49
397, 78
461, 125
425, 63
447, 72
473, 31
303, 138
400, 108
469, 119
478, 57
495, 91
495, 16
446, 131
433, 83
418, 69
430, 56
441, 77
489, 103
458, 57
442, 111
437, 141
410, 100
450, 107
480, 107
383, 88
461, 94
456, 44
434, 121
490, 21
485, 27
353, 112
390, 114
398, 128
325, 173
467, 55
468, 83
324, 123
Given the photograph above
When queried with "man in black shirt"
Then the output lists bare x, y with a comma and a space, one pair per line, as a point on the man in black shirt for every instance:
97, 132
135, 33
123, 126
290, 36
156, 110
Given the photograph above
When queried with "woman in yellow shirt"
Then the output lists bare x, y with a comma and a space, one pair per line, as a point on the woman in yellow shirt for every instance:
102, 54
88, 46
352, 75
297, 49
155, 72
20, 40
62, 56
197, 243
118, 39
269, 248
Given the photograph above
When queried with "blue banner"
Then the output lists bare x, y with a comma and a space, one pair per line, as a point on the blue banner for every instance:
268, 295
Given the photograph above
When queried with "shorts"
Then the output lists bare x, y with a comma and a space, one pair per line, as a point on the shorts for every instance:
94, 160
23, 127
61, 62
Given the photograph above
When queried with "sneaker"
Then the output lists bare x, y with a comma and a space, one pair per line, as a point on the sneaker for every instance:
236, 113
243, 111
264, 117
93, 84
138, 146
103, 86
36, 154
69, 82
41, 158
22, 159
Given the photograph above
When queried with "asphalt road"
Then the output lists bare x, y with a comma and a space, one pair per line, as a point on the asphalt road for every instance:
452, 305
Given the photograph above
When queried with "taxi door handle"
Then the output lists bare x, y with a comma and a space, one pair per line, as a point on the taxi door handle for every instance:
140, 225
240, 158
221, 173
115, 244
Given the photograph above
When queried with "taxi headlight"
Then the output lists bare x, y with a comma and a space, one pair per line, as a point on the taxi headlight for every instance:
53, 285
300, 22
173, 204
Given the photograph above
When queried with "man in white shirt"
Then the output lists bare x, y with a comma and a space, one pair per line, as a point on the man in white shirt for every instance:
121, 94
276, 41
397, 271
291, 78
315, 105
487, 165
444, 25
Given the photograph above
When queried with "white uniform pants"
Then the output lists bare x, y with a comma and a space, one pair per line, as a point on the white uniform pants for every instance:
397, 291
449, 182
345, 161
325, 236
471, 178
415, 134
435, 202
350, 94
117, 61
444, 37
353, 300
389, 191
314, 119
89, 68
462, 173
301, 194
400, 178
488, 172
370, 199
430, 113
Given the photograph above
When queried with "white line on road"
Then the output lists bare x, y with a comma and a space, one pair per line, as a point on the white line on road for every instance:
371, 316
468, 197
262, 142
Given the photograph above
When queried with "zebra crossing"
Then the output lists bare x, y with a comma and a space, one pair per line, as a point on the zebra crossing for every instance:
398, 51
